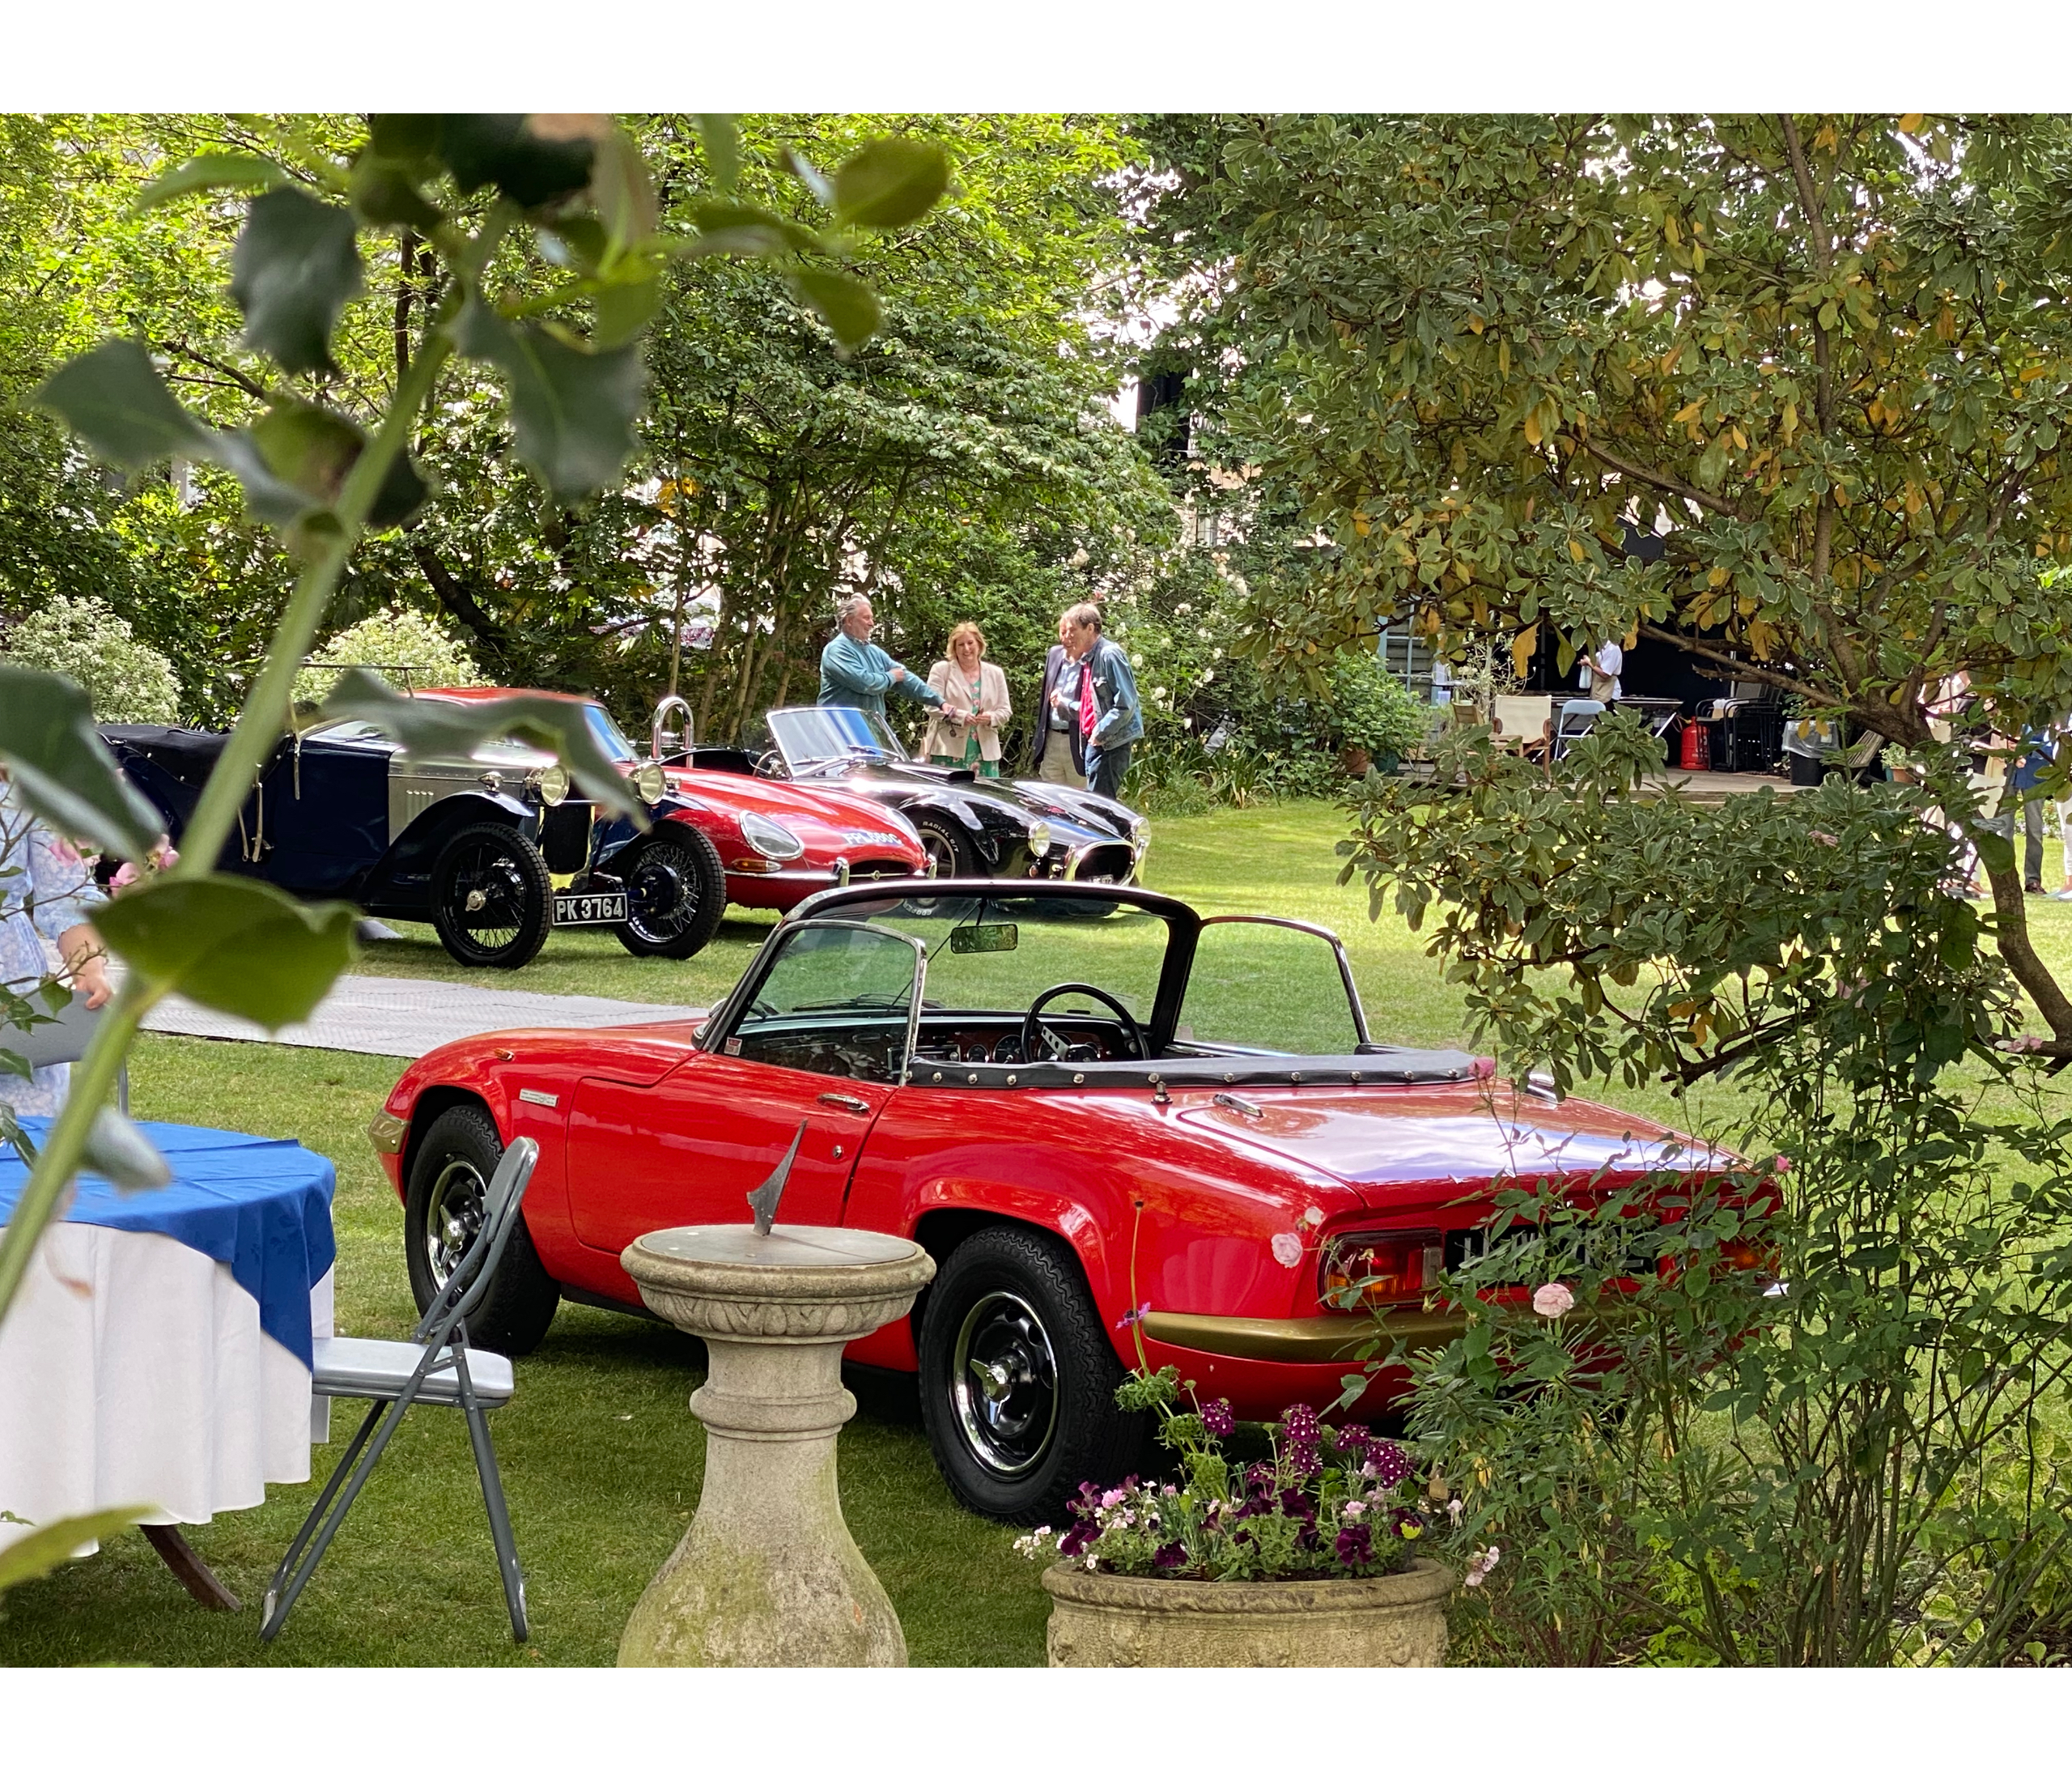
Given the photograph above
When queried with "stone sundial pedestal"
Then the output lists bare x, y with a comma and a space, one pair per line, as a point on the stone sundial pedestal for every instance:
767, 1573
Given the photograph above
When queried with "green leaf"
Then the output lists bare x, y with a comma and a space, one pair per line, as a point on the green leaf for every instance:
847, 304
308, 448
52, 1544
209, 173
383, 192
114, 399
232, 944
63, 771
573, 411
267, 498
498, 148
402, 492
295, 267
622, 193
729, 227
892, 180
443, 729
122, 1156
625, 307
722, 148
409, 137
807, 175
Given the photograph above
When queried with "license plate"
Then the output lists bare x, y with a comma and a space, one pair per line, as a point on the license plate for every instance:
588, 909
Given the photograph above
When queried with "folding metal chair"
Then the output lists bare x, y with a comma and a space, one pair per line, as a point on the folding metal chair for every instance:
1576, 718
436, 1365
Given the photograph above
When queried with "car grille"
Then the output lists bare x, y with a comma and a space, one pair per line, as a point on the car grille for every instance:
864, 869
565, 835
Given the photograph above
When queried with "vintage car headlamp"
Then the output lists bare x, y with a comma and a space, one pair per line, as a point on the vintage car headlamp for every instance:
770, 840
651, 782
554, 785
1380, 1267
1040, 838
1139, 836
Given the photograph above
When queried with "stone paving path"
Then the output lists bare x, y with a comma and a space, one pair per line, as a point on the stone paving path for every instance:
406, 1017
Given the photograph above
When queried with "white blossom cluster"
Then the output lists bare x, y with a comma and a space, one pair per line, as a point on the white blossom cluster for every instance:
128, 682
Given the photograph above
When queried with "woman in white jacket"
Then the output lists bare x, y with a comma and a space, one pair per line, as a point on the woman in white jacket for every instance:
965, 732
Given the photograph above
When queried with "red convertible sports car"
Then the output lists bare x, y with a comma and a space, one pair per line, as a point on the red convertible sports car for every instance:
1080, 1119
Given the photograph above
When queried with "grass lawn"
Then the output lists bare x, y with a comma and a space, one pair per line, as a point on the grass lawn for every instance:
601, 1456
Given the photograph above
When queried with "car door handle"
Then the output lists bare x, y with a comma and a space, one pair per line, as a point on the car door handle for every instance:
849, 1103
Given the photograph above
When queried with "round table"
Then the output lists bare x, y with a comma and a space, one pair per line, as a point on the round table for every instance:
159, 1350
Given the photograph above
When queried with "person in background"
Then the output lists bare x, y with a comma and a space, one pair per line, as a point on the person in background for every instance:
1056, 750
2028, 775
855, 671
46, 932
1110, 717
1600, 672
965, 732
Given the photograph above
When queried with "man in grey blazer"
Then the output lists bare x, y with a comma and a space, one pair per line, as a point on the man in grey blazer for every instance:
1057, 751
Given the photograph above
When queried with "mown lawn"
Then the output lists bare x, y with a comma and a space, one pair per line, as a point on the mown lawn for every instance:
601, 1456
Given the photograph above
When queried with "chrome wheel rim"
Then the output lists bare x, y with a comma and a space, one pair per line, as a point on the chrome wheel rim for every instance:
941, 850
487, 899
453, 1215
1004, 1384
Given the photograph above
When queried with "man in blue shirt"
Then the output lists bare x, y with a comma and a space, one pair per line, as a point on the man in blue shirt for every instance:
1111, 717
855, 671
2028, 774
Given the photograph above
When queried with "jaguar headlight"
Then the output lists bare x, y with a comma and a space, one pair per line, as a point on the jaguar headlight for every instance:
770, 840
1139, 837
651, 782
1040, 838
554, 785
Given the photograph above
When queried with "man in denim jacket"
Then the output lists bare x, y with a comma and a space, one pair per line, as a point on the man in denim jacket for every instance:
1111, 716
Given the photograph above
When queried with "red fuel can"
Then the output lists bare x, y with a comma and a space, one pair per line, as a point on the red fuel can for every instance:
1696, 754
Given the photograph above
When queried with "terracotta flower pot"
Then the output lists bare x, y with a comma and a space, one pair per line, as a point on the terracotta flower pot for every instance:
1355, 760
1101, 1622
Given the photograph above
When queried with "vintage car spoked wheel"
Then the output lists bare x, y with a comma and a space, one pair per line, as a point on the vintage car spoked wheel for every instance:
1018, 1379
1005, 1381
491, 897
676, 892
442, 1207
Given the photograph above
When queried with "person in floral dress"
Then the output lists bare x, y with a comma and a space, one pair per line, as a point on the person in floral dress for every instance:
47, 896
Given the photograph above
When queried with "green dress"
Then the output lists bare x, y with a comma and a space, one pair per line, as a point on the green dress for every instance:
973, 758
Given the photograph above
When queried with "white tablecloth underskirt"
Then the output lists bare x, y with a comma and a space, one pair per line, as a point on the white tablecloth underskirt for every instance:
133, 1369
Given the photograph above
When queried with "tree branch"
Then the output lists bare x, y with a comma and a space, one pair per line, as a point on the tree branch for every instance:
1668, 484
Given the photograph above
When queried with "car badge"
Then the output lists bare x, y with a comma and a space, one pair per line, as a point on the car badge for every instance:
763, 1201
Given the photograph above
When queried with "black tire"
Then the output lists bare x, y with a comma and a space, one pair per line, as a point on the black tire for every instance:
676, 890
945, 843
442, 1210
506, 927
1014, 1300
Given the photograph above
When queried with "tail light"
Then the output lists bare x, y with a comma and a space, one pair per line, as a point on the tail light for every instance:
1381, 1268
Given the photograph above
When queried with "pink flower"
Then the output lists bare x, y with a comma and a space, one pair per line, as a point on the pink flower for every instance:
1553, 1300
1287, 1249
1481, 1565
1110, 1498
125, 875
167, 858
1312, 1217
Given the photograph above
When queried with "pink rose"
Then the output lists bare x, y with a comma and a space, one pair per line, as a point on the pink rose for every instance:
125, 875
1287, 1249
1553, 1300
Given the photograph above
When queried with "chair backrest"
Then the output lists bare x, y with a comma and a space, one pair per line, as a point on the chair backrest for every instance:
471, 1274
1518, 715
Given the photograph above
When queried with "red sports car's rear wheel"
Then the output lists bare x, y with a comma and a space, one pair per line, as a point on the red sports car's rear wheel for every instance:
1018, 1379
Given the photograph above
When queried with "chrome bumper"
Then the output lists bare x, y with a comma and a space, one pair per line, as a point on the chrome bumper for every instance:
1299, 1341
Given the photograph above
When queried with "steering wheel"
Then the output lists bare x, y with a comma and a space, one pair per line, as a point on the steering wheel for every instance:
771, 766
1032, 1023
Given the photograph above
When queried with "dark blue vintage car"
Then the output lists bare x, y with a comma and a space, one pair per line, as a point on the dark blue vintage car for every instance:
495, 850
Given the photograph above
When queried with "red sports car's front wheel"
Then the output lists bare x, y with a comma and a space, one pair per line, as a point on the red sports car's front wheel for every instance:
1017, 1378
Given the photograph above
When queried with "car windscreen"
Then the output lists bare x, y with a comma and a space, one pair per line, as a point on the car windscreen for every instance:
610, 737
997, 955
811, 735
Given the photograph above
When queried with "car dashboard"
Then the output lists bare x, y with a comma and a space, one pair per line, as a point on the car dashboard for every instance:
870, 1050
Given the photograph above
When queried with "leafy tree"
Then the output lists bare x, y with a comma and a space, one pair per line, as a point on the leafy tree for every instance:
1829, 359
128, 682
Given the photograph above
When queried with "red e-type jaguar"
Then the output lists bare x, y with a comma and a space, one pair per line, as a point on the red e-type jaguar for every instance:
1081, 1118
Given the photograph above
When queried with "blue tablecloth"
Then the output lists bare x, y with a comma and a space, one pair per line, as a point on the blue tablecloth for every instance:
262, 1204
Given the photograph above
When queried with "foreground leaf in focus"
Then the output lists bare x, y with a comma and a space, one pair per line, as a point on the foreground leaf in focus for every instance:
436, 728
572, 410
63, 771
232, 944
35, 1555
296, 266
